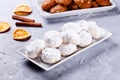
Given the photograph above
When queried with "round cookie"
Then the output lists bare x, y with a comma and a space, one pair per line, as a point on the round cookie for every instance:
50, 55
70, 36
48, 4
34, 48
64, 2
104, 2
71, 26
83, 4
73, 6
83, 24
53, 38
95, 4
85, 38
67, 49
58, 8
94, 30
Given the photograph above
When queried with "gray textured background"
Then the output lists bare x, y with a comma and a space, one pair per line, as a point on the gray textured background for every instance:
101, 62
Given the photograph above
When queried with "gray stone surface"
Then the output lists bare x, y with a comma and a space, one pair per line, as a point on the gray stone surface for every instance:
98, 63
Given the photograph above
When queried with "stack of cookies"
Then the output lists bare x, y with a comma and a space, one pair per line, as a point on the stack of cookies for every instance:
56, 6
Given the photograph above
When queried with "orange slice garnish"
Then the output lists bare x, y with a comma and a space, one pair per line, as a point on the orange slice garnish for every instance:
21, 34
4, 26
22, 10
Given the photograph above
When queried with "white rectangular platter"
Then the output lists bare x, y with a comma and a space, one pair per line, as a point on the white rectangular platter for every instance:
48, 67
73, 12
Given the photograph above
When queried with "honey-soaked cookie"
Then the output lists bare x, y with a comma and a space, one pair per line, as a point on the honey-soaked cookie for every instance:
4, 26
58, 8
73, 6
104, 2
64, 2
47, 4
83, 4
95, 4
22, 10
21, 34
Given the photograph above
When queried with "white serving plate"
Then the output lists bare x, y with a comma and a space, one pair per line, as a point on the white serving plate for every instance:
48, 67
73, 12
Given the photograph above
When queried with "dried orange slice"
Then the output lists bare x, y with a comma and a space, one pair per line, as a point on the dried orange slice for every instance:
22, 10
21, 34
4, 26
